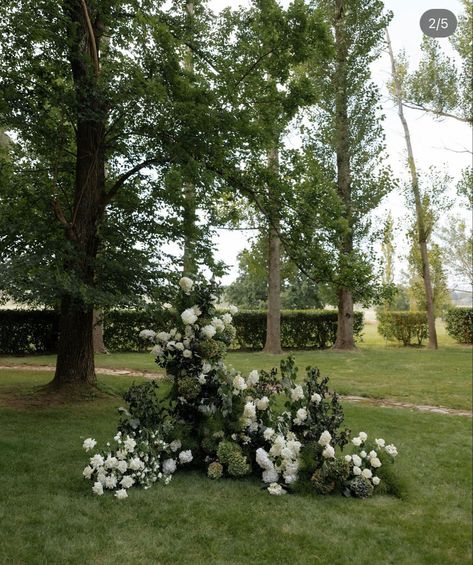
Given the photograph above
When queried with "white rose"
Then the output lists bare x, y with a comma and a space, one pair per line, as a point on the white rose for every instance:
185, 456
187, 353
316, 398
262, 403
89, 444
208, 331
110, 482
270, 476
87, 472
96, 461
276, 489
367, 473
391, 450
121, 494
268, 433
101, 477
380, 442
169, 466
325, 438
175, 445
363, 454
188, 317
97, 488
328, 452
122, 466
363, 436
372, 454
297, 393
375, 462
111, 462
356, 460
136, 464
356, 441
356, 471
186, 284
129, 444
127, 481
376, 481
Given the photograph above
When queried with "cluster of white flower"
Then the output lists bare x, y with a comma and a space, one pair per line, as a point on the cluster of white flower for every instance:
366, 462
281, 459
134, 461
324, 441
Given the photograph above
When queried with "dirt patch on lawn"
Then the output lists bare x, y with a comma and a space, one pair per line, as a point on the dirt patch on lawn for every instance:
99, 370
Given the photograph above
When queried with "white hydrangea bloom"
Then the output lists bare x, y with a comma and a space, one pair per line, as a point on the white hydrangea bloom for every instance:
169, 466
175, 445
201, 378
185, 456
179, 346
188, 317
167, 306
187, 353
136, 464
110, 482
391, 450
208, 331
262, 403
263, 460
325, 438
218, 324
127, 481
111, 462
206, 367
163, 336
363, 454
270, 476
301, 415
356, 471
239, 384
316, 398
87, 472
356, 441
232, 309
253, 378
380, 442
186, 284
157, 351
122, 466
376, 481
363, 436
249, 411
197, 310
129, 444
328, 452
268, 433
375, 462
348, 458
89, 444
96, 461
357, 460
367, 473
147, 334
227, 319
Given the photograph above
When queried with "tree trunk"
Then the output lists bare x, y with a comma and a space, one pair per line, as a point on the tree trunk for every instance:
97, 332
421, 231
273, 319
344, 339
75, 360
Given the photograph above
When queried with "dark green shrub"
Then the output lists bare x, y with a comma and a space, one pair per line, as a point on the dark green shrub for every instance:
459, 323
405, 327
28, 331
300, 329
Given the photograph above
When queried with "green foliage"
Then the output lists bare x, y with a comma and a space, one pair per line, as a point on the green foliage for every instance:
404, 327
359, 487
215, 470
26, 331
231, 457
459, 323
330, 476
146, 409
299, 329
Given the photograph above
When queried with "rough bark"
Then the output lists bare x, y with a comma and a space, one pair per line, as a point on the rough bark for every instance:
273, 319
345, 339
421, 230
75, 361
97, 332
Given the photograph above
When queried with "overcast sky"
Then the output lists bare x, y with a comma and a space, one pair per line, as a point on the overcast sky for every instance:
431, 139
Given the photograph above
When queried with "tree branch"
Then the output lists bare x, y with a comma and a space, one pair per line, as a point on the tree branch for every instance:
123, 178
439, 113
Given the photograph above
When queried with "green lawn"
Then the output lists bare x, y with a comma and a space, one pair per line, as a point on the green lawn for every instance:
440, 378
49, 515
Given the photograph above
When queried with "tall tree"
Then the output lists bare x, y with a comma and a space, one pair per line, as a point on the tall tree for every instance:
344, 154
80, 106
396, 87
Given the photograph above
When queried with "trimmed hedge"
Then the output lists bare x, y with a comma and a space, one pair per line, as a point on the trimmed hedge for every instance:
459, 324
300, 329
28, 331
403, 326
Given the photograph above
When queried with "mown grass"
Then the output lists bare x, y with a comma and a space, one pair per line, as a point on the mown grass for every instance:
417, 375
49, 515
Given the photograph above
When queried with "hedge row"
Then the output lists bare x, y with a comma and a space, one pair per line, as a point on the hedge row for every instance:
459, 324
28, 331
405, 327
33, 331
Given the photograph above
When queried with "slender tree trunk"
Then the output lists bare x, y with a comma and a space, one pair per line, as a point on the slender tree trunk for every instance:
421, 231
190, 209
75, 360
273, 320
345, 339
97, 332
